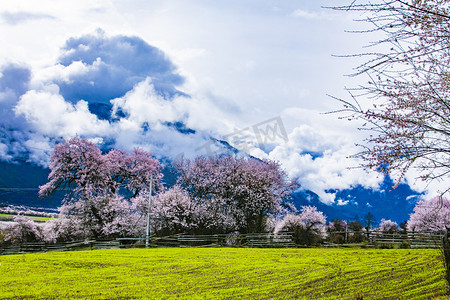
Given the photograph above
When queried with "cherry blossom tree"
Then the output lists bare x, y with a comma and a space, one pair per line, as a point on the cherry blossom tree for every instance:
434, 216
80, 165
22, 230
120, 218
408, 88
337, 225
430, 216
174, 211
388, 226
409, 78
105, 189
236, 193
308, 226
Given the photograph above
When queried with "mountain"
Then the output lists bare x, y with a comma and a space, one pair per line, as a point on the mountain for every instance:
19, 185
387, 202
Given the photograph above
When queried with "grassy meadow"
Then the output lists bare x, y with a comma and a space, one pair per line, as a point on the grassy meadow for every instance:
224, 273
9, 217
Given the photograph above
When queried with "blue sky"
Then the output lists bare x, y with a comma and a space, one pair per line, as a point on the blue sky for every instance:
123, 73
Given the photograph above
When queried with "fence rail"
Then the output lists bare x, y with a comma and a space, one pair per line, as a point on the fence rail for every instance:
261, 240
264, 240
408, 239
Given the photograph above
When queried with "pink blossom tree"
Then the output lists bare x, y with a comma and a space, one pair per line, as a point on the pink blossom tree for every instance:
79, 164
408, 88
408, 78
308, 226
430, 216
22, 230
434, 216
174, 211
337, 225
120, 218
235, 193
388, 226
104, 187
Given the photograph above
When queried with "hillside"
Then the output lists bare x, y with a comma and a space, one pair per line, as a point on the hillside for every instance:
387, 202
19, 185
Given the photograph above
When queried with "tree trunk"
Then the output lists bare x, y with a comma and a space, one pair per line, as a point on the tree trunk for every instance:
446, 256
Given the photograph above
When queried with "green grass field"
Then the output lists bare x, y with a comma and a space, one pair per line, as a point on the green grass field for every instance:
224, 273
8, 217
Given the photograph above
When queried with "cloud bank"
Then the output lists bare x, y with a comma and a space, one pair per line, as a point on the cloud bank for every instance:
15, 18
104, 68
117, 90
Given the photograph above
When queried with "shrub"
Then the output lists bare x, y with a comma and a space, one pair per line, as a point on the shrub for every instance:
308, 226
23, 230
2, 237
337, 238
405, 245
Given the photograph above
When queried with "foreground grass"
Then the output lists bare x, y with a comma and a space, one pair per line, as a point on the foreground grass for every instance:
216, 273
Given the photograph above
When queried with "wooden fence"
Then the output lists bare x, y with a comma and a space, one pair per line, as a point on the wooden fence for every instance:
396, 239
413, 240
69, 246
264, 240
261, 240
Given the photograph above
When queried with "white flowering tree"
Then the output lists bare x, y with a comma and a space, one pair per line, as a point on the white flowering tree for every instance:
430, 216
308, 226
106, 190
235, 194
388, 226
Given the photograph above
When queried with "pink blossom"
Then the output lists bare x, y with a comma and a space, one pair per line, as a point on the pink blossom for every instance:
107, 190
309, 218
23, 230
388, 226
174, 211
235, 193
430, 216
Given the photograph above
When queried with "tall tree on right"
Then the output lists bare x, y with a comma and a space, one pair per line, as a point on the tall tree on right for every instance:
406, 100
408, 74
430, 216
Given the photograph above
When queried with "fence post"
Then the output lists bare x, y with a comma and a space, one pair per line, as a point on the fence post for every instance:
346, 232
446, 255
148, 211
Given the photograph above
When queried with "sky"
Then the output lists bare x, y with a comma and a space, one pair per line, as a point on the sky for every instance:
167, 76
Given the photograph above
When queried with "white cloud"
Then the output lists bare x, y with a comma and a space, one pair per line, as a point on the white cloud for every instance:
40, 148
309, 15
143, 104
430, 189
197, 112
341, 202
321, 162
61, 73
4, 155
51, 115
